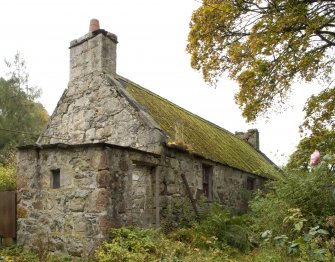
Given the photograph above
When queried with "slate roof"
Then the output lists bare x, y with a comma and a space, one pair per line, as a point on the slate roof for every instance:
199, 135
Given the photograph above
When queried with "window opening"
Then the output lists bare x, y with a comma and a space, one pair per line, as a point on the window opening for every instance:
55, 178
207, 172
251, 183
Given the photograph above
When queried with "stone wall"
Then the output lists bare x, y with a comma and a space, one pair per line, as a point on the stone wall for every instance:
104, 186
92, 110
100, 188
229, 185
71, 218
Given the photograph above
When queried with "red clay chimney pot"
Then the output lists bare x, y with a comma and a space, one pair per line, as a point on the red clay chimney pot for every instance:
94, 25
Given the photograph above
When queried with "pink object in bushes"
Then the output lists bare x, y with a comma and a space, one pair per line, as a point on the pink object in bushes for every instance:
315, 158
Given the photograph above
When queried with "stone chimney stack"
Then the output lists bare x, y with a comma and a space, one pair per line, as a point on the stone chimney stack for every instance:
95, 51
251, 136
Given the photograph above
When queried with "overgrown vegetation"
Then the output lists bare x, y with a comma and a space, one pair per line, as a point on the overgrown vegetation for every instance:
18, 254
312, 192
7, 177
202, 241
296, 215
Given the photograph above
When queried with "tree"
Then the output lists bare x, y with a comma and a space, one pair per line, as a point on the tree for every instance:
17, 72
320, 112
323, 141
320, 120
22, 118
266, 45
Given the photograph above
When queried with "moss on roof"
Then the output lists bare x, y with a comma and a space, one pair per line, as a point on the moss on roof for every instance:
202, 136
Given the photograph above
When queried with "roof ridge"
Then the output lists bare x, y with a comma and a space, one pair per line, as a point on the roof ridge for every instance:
185, 110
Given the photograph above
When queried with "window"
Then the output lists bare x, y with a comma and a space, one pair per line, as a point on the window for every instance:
251, 183
55, 178
207, 172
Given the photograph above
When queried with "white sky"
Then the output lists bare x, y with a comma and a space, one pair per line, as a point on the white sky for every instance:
152, 38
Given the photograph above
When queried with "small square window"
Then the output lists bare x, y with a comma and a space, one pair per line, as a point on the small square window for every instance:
55, 178
251, 183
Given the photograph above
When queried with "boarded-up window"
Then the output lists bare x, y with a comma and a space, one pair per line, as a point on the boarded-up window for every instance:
55, 178
207, 173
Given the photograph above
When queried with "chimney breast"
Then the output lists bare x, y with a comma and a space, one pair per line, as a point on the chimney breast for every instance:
95, 51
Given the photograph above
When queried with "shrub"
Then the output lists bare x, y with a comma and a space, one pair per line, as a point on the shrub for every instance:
225, 229
311, 192
128, 244
313, 244
214, 227
139, 244
266, 254
296, 214
7, 177
17, 253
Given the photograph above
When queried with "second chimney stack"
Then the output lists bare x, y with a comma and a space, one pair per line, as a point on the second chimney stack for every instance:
251, 136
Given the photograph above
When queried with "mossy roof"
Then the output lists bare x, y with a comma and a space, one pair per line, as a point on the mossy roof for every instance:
199, 135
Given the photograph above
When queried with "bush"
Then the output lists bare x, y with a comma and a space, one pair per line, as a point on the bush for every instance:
7, 177
266, 254
227, 230
213, 228
295, 216
311, 192
17, 253
139, 244
128, 244
313, 244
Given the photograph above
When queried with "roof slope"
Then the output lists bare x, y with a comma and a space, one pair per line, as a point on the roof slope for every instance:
203, 137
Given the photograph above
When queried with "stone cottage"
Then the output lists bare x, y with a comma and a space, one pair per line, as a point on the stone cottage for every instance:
115, 154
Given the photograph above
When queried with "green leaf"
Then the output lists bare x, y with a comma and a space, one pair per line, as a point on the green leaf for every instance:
298, 226
323, 232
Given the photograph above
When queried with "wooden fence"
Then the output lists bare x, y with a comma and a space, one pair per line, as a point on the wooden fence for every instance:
7, 214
